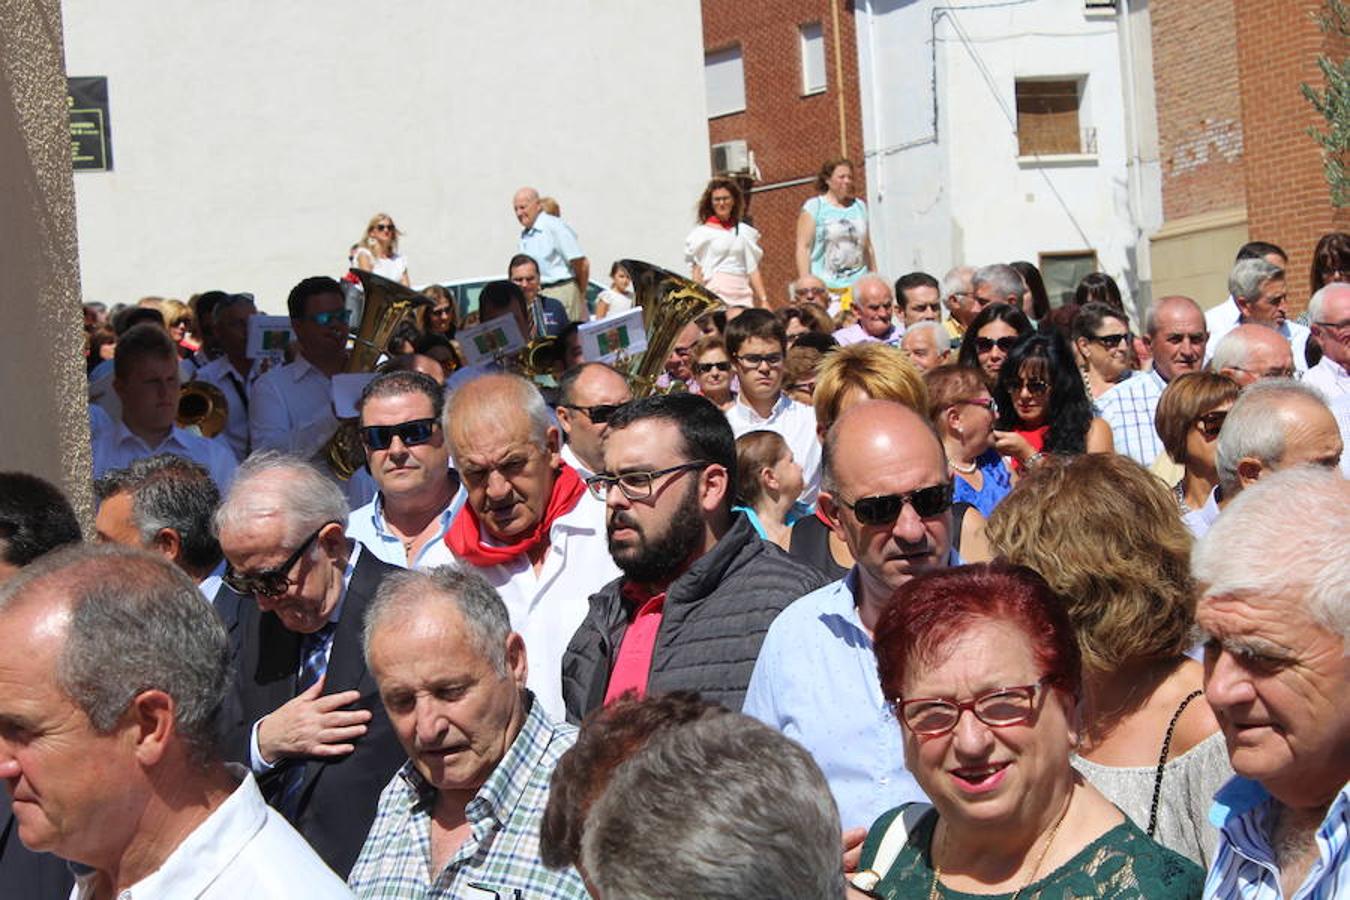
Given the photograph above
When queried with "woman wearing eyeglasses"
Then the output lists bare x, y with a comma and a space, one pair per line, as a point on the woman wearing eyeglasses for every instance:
378, 250
1043, 407
993, 332
1190, 413
722, 251
439, 317
1101, 335
1105, 535
983, 673
711, 366
963, 413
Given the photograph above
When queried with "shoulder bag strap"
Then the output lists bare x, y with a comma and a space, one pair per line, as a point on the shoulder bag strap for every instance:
1162, 760
891, 843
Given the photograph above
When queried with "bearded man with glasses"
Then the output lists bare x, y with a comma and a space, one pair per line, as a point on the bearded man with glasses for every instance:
887, 494
699, 587
409, 458
304, 713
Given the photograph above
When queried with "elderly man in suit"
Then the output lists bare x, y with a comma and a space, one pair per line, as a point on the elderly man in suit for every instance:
305, 714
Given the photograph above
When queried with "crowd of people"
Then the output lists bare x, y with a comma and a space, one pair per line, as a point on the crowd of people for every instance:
933, 588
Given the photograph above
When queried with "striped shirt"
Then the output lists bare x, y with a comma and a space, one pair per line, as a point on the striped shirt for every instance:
1244, 865
501, 853
1128, 408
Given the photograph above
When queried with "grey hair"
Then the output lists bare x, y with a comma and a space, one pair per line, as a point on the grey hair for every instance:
1232, 352
873, 277
940, 336
764, 824
1319, 299
171, 492
1247, 276
136, 623
1004, 279
1234, 558
955, 281
485, 617
304, 498
510, 391
1255, 426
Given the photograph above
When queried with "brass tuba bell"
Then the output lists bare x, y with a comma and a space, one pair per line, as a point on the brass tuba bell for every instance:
669, 303
202, 405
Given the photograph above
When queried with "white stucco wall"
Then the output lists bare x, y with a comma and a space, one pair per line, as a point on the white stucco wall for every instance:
964, 197
252, 141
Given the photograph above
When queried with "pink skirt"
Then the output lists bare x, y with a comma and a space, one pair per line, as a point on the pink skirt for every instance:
734, 289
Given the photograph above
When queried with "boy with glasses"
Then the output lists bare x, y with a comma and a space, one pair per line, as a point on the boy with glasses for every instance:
757, 345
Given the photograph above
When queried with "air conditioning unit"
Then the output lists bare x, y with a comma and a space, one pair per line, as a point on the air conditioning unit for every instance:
730, 158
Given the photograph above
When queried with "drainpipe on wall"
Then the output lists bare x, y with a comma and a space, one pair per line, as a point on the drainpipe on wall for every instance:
839, 79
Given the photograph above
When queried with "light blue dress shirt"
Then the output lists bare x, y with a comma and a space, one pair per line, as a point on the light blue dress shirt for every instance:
553, 245
368, 527
816, 681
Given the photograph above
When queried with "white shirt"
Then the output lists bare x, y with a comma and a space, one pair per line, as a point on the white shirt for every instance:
1329, 378
1296, 334
244, 848
1222, 319
1340, 408
115, 447
236, 389
211, 584
368, 527
570, 457
547, 608
714, 249
796, 422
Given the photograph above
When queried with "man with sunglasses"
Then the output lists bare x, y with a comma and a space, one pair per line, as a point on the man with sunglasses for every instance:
887, 494
1174, 330
304, 713
757, 344
699, 587
409, 458
588, 395
290, 408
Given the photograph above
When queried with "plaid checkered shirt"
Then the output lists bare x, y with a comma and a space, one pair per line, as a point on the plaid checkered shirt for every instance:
500, 855
1128, 408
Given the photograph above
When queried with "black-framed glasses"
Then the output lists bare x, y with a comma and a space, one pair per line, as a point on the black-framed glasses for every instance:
331, 317
1111, 341
1211, 423
755, 360
270, 582
705, 368
1036, 387
884, 509
999, 708
636, 485
1005, 343
599, 414
411, 433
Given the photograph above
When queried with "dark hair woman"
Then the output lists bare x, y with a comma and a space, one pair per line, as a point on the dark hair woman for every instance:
992, 333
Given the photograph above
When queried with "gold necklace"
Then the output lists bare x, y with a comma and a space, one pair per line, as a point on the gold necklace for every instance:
1045, 851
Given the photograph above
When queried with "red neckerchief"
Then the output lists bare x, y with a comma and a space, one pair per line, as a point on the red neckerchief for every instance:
464, 536
718, 223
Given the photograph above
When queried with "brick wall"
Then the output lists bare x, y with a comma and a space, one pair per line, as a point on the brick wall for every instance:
790, 135
1288, 201
1201, 134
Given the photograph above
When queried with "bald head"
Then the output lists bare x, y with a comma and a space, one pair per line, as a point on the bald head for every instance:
875, 305
526, 206
871, 430
1176, 333
585, 393
499, 401
1250, 353
1276, 424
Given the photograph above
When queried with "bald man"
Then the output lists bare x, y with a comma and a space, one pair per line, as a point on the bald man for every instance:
1250, 353
563, 268
588, 395
875, 305
887, 495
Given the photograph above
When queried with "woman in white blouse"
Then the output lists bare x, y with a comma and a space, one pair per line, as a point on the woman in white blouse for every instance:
378, 250
722, 251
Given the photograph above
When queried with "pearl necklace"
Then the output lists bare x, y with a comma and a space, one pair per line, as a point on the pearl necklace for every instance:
937, 869
966, 469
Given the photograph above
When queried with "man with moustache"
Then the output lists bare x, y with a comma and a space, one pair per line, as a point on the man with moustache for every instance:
887, 494
528, 526
1175, 333
699, 587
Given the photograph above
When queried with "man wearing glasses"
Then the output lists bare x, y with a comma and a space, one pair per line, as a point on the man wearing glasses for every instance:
887, 494
588, 396
1250, 353
1329, 313
810, 289
409, 458
699, 587
757, 345
304, 713
291, 408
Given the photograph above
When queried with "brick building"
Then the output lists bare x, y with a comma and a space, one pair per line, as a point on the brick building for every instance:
782, 79
1237, 162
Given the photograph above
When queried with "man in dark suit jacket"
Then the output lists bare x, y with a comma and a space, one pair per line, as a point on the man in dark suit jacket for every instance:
305, 714
36, 876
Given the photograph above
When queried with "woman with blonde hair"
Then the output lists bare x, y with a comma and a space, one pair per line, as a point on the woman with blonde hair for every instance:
378, 252
1106, 536
1190, 413
722, 251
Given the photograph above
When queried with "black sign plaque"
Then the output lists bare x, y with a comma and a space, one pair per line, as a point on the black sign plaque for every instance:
90, 131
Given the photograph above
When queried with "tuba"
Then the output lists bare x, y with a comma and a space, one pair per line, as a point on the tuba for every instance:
387, 303
202, 405
669, 303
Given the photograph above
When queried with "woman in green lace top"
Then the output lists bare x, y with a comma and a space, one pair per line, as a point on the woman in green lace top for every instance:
982, 668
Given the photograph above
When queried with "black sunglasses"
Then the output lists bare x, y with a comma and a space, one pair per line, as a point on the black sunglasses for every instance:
1211, 423
705, 368
269, 582
885, 509
598, 414
412, 433
1005, 343
1111, 341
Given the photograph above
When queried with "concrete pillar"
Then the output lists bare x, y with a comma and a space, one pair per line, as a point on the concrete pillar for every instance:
43, 420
